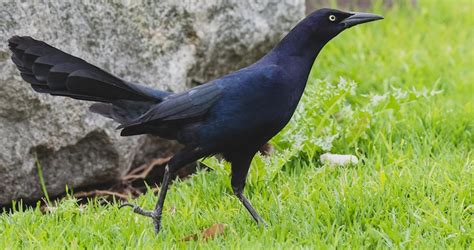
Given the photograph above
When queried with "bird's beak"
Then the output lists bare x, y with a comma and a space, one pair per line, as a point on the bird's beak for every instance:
358, 18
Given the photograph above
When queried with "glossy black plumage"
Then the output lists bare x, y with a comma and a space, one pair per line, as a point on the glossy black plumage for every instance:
50, 70
233, 115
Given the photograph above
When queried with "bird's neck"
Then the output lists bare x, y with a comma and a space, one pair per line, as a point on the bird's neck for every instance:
296, 53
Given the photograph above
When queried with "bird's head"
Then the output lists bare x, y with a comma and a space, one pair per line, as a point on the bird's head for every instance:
325, 24
312, 33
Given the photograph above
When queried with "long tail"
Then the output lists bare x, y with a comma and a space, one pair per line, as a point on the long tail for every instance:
50, 70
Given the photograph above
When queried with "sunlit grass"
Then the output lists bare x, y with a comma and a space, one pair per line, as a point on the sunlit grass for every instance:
414, 185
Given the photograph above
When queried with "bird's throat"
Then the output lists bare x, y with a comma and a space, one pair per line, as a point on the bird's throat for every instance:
296, 53
296, 57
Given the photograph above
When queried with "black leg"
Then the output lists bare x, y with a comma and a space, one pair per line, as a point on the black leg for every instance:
155, 214
240, 167
161, 200
251, 210
179, 160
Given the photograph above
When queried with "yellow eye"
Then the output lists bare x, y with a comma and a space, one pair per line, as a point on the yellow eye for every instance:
332, 18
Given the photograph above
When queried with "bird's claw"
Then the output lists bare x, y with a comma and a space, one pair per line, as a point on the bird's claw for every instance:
138, 210
152, 214
263, 223
127, 205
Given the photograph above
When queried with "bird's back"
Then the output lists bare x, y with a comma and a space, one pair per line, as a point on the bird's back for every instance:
256, 103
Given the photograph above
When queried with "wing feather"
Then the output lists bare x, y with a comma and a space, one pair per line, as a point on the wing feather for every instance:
179, 107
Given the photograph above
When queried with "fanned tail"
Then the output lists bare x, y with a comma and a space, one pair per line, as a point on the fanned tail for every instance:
50, 70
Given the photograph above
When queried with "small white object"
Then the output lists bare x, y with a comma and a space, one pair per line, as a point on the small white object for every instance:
338, 160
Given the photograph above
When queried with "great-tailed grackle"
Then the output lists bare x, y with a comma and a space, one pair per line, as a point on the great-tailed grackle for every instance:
233, 115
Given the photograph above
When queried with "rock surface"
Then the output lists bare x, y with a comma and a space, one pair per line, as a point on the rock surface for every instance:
353, 5
163, 44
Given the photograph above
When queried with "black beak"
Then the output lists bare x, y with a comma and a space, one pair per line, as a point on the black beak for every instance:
358, 18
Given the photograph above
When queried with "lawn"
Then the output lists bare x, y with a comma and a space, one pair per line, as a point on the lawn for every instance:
398, 93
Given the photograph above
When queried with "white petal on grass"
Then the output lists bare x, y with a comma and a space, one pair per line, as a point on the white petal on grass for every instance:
338, 160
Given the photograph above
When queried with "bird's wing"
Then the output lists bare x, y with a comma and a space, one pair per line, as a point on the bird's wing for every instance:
190, 104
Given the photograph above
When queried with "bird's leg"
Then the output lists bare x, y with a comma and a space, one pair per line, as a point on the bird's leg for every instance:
250, 208
155, 214
161, 200
240, 168
178, 161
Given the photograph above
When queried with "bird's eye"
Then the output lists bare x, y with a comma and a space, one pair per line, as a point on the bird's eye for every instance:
332, 18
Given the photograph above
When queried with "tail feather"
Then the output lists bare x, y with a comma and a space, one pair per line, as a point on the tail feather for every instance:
49, 70
42, 66
59, 73
121, 111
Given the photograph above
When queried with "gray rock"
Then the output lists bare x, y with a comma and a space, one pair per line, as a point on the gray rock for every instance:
354, 5
163, 44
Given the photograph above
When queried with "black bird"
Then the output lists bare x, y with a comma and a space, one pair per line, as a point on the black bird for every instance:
233, 115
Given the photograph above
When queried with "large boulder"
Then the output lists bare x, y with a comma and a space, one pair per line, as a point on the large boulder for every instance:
354, 5
164, 44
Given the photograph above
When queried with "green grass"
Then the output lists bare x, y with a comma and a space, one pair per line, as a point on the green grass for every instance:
414, 185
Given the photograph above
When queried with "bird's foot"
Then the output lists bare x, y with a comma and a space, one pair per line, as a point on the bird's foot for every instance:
251, 210
155, 215
261, 222
138, 210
